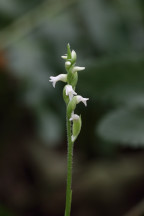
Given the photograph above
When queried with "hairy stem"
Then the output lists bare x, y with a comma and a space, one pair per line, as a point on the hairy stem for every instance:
69, 169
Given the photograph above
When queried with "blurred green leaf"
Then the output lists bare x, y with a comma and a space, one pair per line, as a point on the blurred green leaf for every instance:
125, 125
115, 79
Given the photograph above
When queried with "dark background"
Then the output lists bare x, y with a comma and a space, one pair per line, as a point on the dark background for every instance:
108, 168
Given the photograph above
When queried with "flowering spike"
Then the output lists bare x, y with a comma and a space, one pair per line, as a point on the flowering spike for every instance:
74, 121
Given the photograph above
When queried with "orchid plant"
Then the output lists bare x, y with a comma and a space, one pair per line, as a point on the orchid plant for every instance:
73, 121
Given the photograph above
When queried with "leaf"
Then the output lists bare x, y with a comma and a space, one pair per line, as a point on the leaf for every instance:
124, 126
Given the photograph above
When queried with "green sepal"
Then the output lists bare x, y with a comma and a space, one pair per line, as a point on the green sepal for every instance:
68, 51
65, 97
72, 79
71, 106
76, 128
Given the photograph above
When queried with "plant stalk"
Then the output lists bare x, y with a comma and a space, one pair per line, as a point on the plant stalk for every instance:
69, 169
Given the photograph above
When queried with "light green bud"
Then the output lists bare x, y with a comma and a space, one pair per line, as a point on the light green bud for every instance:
68, 52
77, 123
73, 57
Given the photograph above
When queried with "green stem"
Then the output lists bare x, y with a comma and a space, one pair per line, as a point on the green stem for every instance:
69, 169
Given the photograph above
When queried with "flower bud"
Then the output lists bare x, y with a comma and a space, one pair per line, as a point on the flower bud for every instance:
65, 97
67, 65
73, 56
64, 57
68, 51
76, 128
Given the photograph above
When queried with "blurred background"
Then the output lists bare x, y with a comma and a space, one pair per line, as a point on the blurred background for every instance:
108, 173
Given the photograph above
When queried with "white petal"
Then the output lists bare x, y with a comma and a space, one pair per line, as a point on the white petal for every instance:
81, 99
74, 117
69, 91
70, 95
60, 77
64, 57
76, 68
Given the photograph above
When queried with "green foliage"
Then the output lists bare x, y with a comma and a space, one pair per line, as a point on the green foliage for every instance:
124, 126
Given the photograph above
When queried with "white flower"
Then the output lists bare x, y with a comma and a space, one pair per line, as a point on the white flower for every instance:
69, 91
76, 68
61, 77
74, 117
64, 57
81, 99
67, 63
73, 55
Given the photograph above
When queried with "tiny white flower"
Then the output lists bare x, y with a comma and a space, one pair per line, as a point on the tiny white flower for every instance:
64, 57
73, 55
60, 77
67, 63
74, 117
69, 91
81, 99
76, 68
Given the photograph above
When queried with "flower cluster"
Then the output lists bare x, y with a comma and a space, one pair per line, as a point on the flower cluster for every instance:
70, 96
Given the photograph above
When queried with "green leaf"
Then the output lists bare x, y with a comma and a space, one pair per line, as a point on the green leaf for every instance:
124, 126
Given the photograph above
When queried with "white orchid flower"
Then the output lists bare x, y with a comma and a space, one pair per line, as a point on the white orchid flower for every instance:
69, 91
81, 99
61, 77
74, 117
64, 56
76, 68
